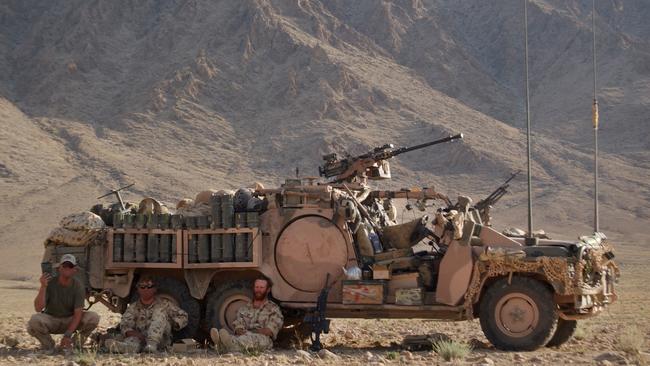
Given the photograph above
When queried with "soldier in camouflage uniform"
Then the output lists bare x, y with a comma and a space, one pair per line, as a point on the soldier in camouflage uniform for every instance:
257, 323
148, 322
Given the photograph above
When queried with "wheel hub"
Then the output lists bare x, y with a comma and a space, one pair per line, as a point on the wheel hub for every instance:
230, 308
516, 315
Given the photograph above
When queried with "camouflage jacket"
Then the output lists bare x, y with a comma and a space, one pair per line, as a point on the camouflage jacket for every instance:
268, 316
140, 317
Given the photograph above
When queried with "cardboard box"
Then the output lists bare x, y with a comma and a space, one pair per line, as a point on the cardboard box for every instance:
380, 272
403, 280
392, 254
368, 292
408, 296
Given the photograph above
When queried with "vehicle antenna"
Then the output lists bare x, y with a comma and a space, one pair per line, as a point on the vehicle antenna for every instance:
594, 117
530, 239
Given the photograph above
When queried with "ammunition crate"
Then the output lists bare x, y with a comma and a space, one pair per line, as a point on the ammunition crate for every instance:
145, 248
175, 241
226, 247
408, 296
366, 292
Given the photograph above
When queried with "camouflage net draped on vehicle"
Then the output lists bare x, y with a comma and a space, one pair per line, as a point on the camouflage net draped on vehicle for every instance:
77, 229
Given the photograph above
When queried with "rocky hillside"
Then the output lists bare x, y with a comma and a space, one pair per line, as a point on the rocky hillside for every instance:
183, 95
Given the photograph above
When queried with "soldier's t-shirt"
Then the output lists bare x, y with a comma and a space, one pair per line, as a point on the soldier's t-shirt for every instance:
61, 301
268, 316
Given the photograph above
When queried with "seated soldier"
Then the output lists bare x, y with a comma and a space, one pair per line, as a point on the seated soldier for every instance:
147, 324
257, 323
59, 308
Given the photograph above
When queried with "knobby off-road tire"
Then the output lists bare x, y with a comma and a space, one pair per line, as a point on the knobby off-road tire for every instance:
177, 291
520, 316
564, 332
222, 303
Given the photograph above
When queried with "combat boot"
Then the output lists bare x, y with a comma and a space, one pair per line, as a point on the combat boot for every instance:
115, 346
214, 335
226, 340
150, 348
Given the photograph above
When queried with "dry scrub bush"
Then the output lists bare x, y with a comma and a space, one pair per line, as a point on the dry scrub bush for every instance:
582, 332
450, 350
631, 341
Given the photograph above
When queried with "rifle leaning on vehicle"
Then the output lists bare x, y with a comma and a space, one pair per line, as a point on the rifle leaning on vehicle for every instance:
317, 318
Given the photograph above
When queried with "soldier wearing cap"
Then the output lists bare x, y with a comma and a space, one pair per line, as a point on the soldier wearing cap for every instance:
59, 308
257, 323
147, 324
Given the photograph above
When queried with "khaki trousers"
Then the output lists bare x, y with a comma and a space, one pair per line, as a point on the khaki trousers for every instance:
41, 325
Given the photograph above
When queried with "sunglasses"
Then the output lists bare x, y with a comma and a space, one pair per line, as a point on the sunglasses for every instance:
146, 286
67, 265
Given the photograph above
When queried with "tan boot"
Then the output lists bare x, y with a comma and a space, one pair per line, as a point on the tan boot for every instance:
214, 335
226, 340
115, 346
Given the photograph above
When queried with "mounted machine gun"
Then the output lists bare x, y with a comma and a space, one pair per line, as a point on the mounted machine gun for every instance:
371, 165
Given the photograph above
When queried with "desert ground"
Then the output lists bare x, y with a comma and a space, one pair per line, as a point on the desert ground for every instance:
618, 336
186, 95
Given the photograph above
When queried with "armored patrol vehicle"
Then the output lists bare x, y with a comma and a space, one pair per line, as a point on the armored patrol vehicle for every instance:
335, 249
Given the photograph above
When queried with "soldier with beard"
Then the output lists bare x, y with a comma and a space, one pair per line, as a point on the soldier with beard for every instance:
257, 323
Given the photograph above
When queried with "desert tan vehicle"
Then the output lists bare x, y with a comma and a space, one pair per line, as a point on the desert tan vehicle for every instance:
342, 237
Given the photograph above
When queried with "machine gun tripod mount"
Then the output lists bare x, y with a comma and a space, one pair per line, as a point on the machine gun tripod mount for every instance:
116, 192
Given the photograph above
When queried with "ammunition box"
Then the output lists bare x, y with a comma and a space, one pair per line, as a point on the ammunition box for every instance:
363, 292
408, 296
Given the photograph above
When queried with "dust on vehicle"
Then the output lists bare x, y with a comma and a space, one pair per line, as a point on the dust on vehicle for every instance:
336, 250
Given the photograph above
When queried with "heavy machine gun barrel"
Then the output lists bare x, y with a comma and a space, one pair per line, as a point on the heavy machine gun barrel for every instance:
403, 150
347, 168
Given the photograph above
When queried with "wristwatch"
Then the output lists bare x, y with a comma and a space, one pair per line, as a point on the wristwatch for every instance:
67, 334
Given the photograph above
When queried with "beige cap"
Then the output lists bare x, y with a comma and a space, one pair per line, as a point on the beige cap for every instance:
68, 258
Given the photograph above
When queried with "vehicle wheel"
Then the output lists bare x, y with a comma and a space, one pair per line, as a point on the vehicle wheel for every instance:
177, 292
224, 302
564, 332
520, 316
294, 334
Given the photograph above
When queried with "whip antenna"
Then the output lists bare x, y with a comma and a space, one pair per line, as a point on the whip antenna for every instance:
594, 117
530, 239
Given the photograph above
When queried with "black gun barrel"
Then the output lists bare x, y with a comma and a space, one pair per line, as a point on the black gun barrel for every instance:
403, 150
116, 190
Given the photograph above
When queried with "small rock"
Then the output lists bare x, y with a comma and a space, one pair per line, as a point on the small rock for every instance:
348, 335
478, 344
328, 355
9, 341
486, 361
407, 355
519, 357
69, 363
303, 354
612, 357
369, 356
11, 359
536, 360
604, 363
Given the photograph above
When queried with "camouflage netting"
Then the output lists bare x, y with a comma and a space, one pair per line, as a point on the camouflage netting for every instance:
566, 278
501, 262
78, 229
